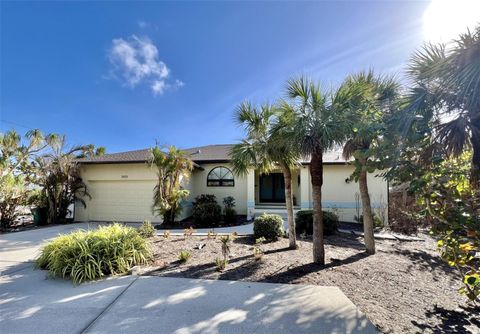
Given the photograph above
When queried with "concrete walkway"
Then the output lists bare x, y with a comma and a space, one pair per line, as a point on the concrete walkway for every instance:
31, 303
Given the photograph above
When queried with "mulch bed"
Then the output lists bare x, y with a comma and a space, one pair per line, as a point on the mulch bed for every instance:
404, 288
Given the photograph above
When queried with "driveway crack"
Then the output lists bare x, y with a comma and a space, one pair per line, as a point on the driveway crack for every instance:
85, 330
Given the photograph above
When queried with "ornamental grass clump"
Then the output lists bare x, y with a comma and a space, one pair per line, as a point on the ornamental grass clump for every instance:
87, 255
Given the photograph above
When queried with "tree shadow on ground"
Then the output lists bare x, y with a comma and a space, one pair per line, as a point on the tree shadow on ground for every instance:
461, 320
244, 240
424, 261
293, 273
343, 240
246, 270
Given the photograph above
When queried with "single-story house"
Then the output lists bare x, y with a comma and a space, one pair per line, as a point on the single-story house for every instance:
121, 186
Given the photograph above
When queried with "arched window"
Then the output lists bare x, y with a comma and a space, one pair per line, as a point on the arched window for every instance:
220, 177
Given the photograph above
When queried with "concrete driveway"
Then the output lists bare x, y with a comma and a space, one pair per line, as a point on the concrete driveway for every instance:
31, 303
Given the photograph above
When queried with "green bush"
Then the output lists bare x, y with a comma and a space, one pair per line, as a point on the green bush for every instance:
304, 222
268, 226
184, 256
205, 198
230, 215
146, 230
87, 255
377, 222
206, 211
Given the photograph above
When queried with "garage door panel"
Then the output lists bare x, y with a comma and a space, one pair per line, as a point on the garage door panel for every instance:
123, 200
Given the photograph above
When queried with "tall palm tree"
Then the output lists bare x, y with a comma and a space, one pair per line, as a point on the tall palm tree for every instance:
261, 149
173, 167
447, 94
370, 99
317, 127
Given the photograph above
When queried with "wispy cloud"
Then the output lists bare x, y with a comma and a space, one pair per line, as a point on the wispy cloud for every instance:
142, 24
135, 61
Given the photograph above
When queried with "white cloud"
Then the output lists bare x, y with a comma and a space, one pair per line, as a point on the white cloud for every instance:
179, 83
142, 24
158, 87
135, 61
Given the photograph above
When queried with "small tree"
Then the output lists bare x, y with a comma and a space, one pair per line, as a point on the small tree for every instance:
58, 174
448, 197
264, 150
318, 124
173, 167
15, 168
368, 102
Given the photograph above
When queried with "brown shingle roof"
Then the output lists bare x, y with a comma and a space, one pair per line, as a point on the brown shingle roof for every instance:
209, 153
129, 156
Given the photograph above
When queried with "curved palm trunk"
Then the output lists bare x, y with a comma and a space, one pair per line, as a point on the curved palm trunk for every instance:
367, 211
292, 239
316, 172
475, 173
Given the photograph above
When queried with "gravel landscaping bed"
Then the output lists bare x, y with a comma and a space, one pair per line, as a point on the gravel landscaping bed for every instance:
404, 288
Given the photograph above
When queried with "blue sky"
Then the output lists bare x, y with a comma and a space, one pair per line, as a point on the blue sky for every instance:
123, 75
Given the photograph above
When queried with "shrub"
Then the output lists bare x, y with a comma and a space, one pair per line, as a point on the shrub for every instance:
257, 253
257, 250
146, 230
87, 255
377, 222
211, 234
230, 216
206, 211
188, 232
268, 226
229, 211
304, 222
184, 256
221, 264
226, 240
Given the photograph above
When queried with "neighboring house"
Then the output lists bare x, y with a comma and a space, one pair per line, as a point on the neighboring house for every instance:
121, 186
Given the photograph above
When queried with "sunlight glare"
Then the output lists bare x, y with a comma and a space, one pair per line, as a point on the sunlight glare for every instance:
444, 20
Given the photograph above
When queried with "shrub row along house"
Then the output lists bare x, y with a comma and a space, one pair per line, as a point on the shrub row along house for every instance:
121, 186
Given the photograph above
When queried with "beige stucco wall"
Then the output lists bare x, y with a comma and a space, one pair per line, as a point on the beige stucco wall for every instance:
340, 196
123, 192
198, 186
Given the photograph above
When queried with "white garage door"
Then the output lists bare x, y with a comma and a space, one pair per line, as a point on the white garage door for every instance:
122, 201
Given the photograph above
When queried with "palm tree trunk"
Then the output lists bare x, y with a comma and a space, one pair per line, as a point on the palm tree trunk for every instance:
367, 210
292, 239
316, 172
475, 173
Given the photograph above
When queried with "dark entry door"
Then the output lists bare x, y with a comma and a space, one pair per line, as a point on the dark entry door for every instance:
272, 188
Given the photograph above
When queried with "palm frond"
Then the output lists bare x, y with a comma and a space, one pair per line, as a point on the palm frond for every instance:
454, 135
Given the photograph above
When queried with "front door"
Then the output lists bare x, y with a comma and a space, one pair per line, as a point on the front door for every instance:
272, 188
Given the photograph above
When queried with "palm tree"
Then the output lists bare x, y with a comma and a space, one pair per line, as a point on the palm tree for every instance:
447, 95
317, 127
173, 167
58, 173
16, 169
263, 150
369, 101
